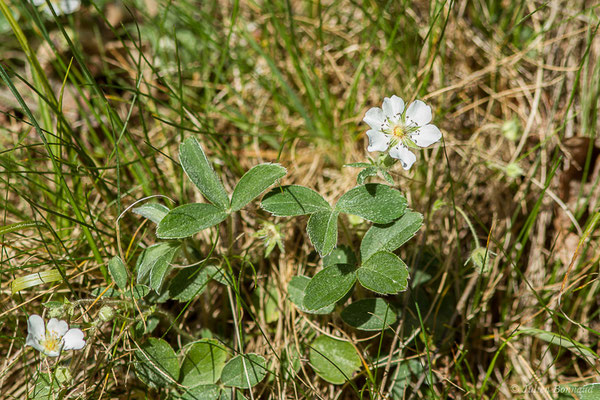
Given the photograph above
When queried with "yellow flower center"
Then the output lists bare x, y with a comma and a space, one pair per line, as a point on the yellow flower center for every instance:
51, 341
399, 132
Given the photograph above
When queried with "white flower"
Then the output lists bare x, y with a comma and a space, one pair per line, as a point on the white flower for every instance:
59, 6
54, 337
394, 128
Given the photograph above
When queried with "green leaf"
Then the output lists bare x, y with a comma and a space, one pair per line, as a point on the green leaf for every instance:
226, 394
296, 292
202, 392
203, 363
329, 285
254, 182
340, 255
588, 392
157, 364
322, 231
146, 328
390, 236
45, 387
369, 315
53, 305
189, 219
118, 272
383, 273
35, 279
386, 175
365, 173
108, 293
406, 372
293, 200
377, 203
139, 291
334, 360
244, 371
159, 257
198, 169
19, 226
189, 283
153, 211
573, 346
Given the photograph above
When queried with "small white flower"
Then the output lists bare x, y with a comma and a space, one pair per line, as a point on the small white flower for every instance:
54, 337
394, 128
59, 6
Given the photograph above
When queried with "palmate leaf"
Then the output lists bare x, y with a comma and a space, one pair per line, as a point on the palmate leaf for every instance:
340, 255
157, 364
118, 271
153, 211
369, 315
329, 285
322, 231
154, 263
297, 291
254, 182
199, 170
391, 236
244, 371
203, 363
201, 392
333, 360
189, 219
293, 200
190, 282
375, 202
383, 273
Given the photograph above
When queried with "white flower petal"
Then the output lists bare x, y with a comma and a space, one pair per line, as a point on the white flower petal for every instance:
418, 113
73, 340
38, 2
34, 342
375, 118
426, 135
378, 141
397, 105
406, 157
48, 10
387, 107
35, 326
53, 353
57, 327
69, 6
392, 108
35, 331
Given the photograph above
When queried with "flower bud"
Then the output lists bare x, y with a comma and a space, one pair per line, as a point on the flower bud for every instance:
480, 257
106, 314
510, 129
513, 170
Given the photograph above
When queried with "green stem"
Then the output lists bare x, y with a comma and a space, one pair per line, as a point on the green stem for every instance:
471, 227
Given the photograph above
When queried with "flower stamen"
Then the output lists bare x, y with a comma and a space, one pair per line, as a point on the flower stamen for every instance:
51, 341
399, 132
